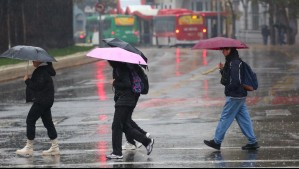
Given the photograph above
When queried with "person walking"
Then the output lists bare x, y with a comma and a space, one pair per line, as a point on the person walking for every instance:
235, 106
40, 91
125, 103
265, 34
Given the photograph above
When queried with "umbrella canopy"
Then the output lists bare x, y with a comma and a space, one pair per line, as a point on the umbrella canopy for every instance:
116, 54
115, 42
28, 53
220, 42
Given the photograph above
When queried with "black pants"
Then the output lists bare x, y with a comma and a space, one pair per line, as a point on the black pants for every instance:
134, 125
122, 123
43, 111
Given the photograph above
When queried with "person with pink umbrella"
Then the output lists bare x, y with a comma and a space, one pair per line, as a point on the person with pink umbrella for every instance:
125, 103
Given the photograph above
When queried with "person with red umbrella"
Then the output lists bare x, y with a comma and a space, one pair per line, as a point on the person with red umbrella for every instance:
235, 106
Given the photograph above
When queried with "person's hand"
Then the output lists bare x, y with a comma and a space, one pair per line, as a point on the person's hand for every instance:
26, 77
112, 82
221, 65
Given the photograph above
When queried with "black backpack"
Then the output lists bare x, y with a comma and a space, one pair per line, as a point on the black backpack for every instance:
140, 84
249, 79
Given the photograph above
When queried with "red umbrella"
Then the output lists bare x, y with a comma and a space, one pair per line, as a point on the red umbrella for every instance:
220, 42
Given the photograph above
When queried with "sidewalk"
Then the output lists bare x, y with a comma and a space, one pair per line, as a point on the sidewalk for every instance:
11, 72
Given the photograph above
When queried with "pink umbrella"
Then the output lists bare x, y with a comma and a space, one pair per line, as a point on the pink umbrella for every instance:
117, 54
220, 42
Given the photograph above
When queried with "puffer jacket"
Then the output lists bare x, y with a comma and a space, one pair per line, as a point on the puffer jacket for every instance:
40, 88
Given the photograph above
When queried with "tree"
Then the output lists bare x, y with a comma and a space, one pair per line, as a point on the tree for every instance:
283, 15
245, 4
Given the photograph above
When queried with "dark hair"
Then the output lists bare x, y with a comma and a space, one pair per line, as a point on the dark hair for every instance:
227, 48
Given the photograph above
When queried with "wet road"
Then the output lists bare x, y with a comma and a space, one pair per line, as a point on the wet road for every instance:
181, 110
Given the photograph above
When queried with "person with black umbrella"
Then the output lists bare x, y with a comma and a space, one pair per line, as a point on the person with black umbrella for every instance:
125, 103
40, 91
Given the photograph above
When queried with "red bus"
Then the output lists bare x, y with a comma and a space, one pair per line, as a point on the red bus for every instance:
174, 27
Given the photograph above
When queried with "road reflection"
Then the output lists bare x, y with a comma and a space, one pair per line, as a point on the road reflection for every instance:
221, 162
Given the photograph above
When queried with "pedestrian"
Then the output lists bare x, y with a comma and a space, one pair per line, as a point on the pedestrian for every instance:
125, 103
40, 91
235, 106
265, 34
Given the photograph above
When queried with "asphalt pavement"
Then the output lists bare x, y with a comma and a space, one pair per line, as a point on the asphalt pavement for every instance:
181, 110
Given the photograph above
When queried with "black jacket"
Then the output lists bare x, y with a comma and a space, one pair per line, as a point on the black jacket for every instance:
231, 76
124, 95
40, 88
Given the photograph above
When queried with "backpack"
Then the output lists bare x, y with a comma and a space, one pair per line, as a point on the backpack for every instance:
249, 79
140, 84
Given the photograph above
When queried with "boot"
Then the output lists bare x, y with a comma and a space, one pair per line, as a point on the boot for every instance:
27, 150
54, 149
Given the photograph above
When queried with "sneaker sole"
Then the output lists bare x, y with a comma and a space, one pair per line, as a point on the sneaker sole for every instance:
26, 155
117, 158
152, 145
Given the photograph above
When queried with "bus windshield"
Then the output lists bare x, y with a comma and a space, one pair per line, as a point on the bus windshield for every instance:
164, 24
191, 20
124, 21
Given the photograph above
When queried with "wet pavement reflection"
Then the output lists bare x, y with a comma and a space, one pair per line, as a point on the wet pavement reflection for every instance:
181, 110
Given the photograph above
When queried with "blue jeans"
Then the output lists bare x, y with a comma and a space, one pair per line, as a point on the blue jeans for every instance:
235, 108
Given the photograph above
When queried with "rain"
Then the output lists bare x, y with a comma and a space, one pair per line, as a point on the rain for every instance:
185, 99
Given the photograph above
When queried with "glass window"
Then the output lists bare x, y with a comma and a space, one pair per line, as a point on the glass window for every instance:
164, 24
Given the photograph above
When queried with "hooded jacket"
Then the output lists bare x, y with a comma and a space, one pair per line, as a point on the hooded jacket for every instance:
124, 95
40, 88
231, 76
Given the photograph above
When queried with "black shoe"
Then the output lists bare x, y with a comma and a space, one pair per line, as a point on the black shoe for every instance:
212, 144
254, 146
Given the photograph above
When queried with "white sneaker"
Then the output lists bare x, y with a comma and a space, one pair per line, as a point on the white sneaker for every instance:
129, 146
112, 156
27, 150
54, 149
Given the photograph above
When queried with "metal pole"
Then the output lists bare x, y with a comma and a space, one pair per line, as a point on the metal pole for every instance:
218, 19
100, 29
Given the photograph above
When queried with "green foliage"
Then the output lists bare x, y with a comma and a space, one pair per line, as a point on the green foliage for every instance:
69, 50
53, 52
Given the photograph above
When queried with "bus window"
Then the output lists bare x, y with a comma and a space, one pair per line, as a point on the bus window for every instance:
124, 21
191, 20
164, 24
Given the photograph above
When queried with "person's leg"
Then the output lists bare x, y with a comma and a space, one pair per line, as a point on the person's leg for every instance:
135, 125
137, 135
49, 125
48, 122
133, 132
33, 115
120, 116
245, 123
231, 108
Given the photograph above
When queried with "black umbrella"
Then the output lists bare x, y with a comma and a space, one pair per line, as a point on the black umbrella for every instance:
28, 53
115, 42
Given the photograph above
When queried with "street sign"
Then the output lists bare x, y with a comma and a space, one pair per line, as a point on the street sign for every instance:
100, 8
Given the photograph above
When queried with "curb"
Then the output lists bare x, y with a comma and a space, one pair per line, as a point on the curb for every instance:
12, 72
